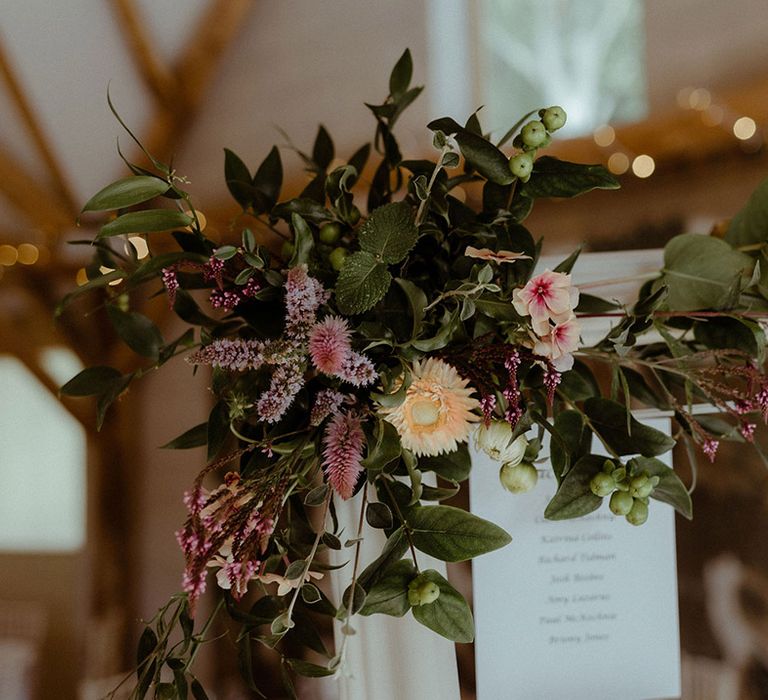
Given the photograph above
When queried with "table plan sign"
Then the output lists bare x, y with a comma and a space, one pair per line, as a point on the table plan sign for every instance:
584, 609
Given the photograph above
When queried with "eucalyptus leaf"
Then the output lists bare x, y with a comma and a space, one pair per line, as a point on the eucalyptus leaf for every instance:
699, 271
449, 615
147, 221
452, 534
126, 193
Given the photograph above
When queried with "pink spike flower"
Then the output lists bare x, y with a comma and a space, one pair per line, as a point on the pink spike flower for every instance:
329, 345
343, 454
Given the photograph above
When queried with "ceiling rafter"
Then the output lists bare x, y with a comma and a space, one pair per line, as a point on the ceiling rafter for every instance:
36, 131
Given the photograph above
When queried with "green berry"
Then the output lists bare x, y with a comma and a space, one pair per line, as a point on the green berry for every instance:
638, 514
521, 166
533, 134
353, 217
602, 484
286, 252
337, 258
519, 478
641, 486
621, 503
330, 232
554, 118
422, 591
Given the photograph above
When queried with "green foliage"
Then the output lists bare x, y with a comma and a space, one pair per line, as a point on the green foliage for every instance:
624, 434
750, 225
389, 233
146, 221
452, 534
557, 178
126, 192
362, 283
574, 497
449, 615
389, 596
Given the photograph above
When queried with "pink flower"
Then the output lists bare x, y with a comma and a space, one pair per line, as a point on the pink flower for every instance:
344, 440
329, 345
499, 256
358, 370
558, 344
548, 296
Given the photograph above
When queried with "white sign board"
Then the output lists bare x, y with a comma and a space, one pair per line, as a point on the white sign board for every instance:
581, 609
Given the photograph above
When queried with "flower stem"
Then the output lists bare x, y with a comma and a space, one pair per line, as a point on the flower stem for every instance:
421, 213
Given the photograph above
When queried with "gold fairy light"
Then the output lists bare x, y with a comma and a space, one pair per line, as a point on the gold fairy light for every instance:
744, 128
8, 255
618, 163
643, 166
604, 135
28, 254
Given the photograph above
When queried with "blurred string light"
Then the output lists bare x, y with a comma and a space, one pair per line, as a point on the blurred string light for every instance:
643, 166
23, 254
620, 160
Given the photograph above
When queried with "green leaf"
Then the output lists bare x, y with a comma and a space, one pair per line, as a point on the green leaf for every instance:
194, 437
609, 419
552, 177
136, 331
574, 497
197, 690
379, 515
362, 283
389, 232
732, 332
323, 150
573, 444
670, 488
454, 466
238, 178
394, 548
750, 225
400, 78
590, 304
354, 598
452, 534
147, 221
308, 208
309, 670
488, 160
700, 271
303, 241
218, 428
417, 301
449, 615
390, 595
108, 395
126, 193
269, 177
567, 264
90, 381
385, 449
497, 308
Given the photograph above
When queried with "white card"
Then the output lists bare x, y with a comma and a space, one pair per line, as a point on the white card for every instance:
581, 609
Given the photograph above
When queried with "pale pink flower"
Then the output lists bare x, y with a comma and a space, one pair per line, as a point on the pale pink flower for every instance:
548, 296
329, 344
558, 344
499, 256
287, 381
343, 454
358, 370
303, 297
437, 411
327, 401
232, 354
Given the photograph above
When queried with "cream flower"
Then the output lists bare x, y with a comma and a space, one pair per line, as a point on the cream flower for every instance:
500, 256
285, 585
496, 441
437, 411
548, 296
558, 344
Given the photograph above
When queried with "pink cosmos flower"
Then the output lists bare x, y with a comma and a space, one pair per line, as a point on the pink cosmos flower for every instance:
344, 441
558, 344
548, 296
499, 256
329, 345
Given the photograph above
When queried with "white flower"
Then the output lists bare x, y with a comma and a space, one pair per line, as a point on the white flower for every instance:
284, 585
496, 441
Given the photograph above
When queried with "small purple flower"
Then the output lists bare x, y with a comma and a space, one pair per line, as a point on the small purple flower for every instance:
223, 299
709, 448
171, 283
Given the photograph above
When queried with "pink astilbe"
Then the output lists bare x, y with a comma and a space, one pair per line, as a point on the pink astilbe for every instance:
329, 345
358, 370
287, 381
224, 299
234, 355
327, 402
342, 457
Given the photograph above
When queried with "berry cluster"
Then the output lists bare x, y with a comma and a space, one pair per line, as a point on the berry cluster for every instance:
534, 135
629, 492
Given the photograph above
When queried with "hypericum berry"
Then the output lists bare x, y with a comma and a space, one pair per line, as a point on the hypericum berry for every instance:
638, 514
553, 118
519, 478
337, 258
533, 134
330, 232
621, 503
641, 486
521, 166
602, 485
422, 591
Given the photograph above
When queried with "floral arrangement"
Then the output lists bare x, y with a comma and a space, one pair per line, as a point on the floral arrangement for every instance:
374, 347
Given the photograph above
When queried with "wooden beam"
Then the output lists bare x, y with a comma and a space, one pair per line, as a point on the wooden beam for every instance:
36, 132
155, 74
